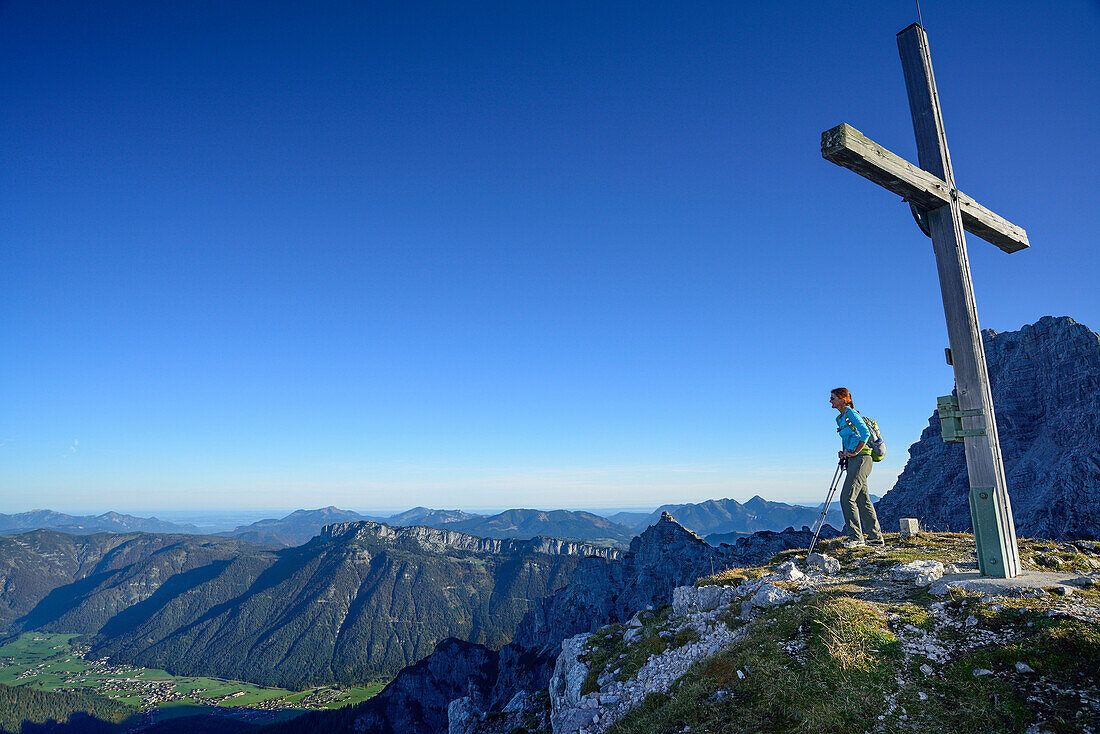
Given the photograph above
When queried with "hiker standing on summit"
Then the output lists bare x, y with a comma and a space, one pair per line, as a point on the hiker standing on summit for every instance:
855, 498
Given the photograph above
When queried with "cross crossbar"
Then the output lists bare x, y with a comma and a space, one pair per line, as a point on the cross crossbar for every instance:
848, 147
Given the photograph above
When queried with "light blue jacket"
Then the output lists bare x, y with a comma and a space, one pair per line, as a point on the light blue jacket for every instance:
849, 438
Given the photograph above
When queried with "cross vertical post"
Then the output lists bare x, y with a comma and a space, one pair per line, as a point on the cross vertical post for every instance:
990, 507
943, 213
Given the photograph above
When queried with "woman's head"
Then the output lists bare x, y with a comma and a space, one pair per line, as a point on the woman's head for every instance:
840, 397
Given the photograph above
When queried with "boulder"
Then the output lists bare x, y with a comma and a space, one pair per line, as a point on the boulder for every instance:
921, 573
691, 599
789, 571
767, 596
825, 563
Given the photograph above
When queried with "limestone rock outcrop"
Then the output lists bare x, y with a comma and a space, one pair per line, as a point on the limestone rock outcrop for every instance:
436, 539
1046, 391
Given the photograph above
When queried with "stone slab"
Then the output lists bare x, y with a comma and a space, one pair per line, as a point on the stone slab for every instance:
974, 581
910, 527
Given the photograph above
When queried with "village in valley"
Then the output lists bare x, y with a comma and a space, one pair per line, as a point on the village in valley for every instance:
61, 662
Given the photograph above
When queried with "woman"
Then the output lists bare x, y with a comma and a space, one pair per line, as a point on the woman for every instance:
855, 498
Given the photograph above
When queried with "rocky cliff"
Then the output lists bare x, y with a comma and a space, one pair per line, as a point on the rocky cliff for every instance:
437, 539
523, 524
1046, 391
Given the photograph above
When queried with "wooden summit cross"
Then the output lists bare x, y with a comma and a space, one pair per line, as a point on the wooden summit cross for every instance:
943, 212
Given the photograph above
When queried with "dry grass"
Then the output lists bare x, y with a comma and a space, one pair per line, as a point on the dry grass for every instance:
732, 576
853, 633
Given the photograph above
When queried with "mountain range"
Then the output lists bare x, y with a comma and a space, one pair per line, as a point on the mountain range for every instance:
725, 519
294, 529
108, 522
728, 516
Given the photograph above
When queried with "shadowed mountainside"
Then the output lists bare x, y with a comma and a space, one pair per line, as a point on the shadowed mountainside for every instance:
75, 583
360, 600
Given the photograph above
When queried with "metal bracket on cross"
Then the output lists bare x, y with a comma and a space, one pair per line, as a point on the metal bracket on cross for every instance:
947, 406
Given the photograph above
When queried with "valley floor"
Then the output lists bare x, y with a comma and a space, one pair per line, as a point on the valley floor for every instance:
59, 662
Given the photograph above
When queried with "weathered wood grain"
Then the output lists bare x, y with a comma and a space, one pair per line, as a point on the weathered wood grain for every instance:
848, 147
991, 509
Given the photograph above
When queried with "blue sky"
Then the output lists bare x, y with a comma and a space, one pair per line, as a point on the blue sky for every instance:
501, 254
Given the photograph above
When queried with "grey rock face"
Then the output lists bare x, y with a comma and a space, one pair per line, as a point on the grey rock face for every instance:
462, 716
663, 557
1046, 391
566, 714
435, 539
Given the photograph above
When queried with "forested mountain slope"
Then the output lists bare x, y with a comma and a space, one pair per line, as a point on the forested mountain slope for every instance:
24, 709
360, 600
77, 582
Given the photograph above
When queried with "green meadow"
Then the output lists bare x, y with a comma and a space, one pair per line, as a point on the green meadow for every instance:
53, 661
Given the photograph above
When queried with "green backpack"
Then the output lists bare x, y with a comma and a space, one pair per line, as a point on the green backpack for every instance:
875, 441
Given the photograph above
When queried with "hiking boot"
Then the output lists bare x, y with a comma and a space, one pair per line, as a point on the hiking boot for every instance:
854, 544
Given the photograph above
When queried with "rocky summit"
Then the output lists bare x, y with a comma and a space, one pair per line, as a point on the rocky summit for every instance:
864, 641
1046, 391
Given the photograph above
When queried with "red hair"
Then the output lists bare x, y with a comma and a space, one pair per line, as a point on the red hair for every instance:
843, 394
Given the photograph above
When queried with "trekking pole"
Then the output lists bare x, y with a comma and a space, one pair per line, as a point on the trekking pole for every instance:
842, 465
